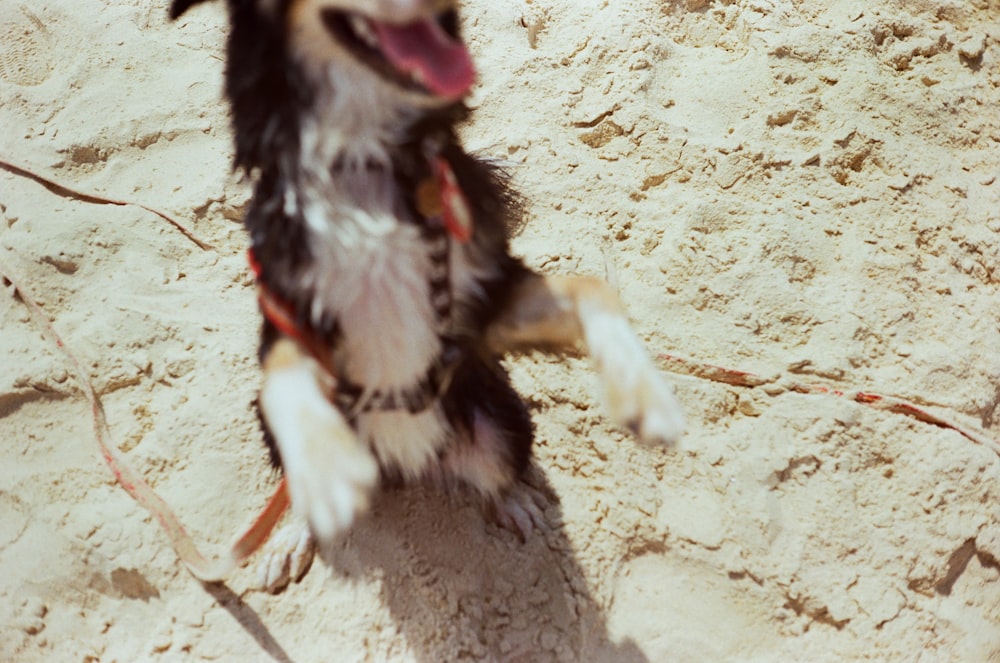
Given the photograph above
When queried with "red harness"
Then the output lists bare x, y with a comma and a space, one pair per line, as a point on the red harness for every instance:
440, 200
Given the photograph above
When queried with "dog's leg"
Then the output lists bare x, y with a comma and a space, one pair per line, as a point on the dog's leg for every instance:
493, 451
330, 473
556, 312
485, 462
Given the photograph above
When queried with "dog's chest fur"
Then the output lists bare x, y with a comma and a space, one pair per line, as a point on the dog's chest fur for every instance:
371, 270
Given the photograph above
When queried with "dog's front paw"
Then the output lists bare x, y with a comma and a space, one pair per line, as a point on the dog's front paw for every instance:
636, 394
332, 483
286, 557
330, 473
646, 405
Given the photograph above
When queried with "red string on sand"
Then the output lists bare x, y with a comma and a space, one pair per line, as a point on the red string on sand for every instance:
208, 569
893, 404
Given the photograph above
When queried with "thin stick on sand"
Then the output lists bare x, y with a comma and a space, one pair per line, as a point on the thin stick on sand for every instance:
893, 404
69, 192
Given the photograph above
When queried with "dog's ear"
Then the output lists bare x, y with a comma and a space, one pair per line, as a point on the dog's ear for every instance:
178, 7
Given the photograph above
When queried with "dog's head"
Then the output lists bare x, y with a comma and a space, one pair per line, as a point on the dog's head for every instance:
412, 46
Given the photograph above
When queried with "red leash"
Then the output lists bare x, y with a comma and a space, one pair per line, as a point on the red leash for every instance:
208, 569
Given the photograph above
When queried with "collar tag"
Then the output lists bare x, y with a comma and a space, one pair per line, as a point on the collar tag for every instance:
456, 212
440, 197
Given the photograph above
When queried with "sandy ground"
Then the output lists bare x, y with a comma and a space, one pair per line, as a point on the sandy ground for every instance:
801, 189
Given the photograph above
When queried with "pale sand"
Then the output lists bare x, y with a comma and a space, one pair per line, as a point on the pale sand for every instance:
772, 185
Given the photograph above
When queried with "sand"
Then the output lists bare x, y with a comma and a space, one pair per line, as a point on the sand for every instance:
799, 189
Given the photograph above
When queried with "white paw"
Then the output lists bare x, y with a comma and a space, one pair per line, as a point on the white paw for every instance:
330, 472
286, 557
636, 394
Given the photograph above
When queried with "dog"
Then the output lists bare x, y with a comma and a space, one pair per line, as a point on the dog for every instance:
388, 290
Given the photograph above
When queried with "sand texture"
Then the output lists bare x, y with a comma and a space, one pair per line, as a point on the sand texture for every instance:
800, 189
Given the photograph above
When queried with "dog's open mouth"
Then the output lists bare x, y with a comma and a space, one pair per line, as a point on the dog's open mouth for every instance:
425, 55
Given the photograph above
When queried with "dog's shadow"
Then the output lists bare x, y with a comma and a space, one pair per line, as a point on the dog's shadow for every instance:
460, 587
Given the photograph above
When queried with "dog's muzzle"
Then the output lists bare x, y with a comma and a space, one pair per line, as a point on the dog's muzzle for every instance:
425, 54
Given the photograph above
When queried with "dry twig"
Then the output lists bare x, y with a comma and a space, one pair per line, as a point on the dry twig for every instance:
737, 378
69, 192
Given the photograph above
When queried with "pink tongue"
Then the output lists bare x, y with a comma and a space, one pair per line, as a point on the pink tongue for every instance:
423, 46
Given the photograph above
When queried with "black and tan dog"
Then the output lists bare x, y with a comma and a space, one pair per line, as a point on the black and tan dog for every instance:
381, 251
